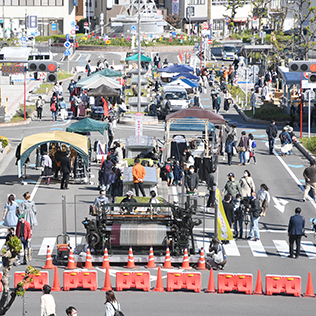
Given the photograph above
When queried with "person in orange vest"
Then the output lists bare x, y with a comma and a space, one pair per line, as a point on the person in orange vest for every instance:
139, 173
225, 74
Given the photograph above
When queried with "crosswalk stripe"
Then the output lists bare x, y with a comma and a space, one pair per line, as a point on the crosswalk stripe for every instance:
231, 249
47, 241
309, 249
257, 248
282, 247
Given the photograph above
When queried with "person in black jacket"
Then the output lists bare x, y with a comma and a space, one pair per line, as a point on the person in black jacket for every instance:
255, 212
65, 168
229, 209
211, 186
295, 232
272, 133
191, 181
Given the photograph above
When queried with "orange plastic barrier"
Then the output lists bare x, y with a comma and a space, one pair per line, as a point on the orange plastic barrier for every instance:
39, 280
83, 279
228, 282
283, 284
139, 280
189, 281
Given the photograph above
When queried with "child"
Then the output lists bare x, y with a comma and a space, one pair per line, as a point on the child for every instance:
251, 148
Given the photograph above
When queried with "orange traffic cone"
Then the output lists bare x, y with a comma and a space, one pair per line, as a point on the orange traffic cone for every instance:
130, 263
56, 285
211, 284
159, 284
258, 289
107, 281
88, 264
71, 261
106, 261
49, 262
151, 260
185, 262
167, 264
201, 264
309, 288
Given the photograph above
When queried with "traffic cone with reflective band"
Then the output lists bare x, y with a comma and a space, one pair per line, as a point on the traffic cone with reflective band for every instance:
88, 264
56, 285
130, 263
201, 264
106, 261
309, 288
151, 260
107, 281
185, 262
258, 289
211, 284
71, 261
159, 285
49, 262
167, 264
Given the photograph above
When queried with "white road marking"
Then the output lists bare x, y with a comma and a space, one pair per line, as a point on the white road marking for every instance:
78, 57
35, 188
279, 204
47, 241
257, 248
309, 249
231, 249
282, 247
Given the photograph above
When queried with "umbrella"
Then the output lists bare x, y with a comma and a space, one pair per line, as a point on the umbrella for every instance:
103, 91
135, 58
107, 73
87, 125
177, 68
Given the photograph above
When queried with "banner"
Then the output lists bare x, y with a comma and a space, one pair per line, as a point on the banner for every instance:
223, 230
139, 124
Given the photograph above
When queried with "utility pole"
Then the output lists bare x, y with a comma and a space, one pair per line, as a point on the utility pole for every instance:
139, 61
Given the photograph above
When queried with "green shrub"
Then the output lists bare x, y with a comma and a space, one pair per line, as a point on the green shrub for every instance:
20, 112
310, 144
4, 141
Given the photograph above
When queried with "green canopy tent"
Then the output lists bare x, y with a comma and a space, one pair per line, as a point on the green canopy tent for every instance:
108, 73
87, 125
135, 58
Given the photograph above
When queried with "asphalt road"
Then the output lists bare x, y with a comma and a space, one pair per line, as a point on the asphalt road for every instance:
283, 175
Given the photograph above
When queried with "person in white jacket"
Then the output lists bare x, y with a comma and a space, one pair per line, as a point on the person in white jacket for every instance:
48, 306
264, 198
111, 303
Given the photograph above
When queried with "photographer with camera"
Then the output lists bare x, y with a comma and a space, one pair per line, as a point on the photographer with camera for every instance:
238, 216
255, 211
217, 254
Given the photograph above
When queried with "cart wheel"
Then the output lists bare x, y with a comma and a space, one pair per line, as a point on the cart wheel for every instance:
93, 239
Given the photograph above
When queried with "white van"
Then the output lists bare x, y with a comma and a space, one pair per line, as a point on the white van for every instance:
178, 97
229, 52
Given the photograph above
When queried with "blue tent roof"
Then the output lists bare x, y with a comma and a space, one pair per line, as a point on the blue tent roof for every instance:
190, 83
177, 68
191, 124
185, 75
290, 78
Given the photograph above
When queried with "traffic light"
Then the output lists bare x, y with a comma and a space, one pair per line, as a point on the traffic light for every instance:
312, 78
302, 66
42, 66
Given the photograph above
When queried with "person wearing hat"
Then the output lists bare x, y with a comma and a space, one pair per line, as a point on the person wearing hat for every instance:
295, 232
65, 169
232, 186
23, 232
129, 199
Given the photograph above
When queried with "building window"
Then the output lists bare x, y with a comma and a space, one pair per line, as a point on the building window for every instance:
202, 1
15, 2
29, 2
190, 2
51, 2
59, 2
96, 4
36, 2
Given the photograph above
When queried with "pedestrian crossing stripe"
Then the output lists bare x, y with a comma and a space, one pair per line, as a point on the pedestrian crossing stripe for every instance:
51, 241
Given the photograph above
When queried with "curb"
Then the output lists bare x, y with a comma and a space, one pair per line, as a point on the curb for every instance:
5, 151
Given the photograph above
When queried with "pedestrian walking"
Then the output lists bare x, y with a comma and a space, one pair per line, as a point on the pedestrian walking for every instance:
242, 148
48, 306
11, 212
238, 217
252, 144
272, 133
24, 233
247, 184
39, 107
139, 173
169, 169
255, 211
211, 186
177, 173
286, 142
111, 303
309, 175
253, 99
264, 198
191, 181
28, 208
71, 311
46, 163
88, 68
229, 148
54, 108
65, 169
60, 90
295, 232
63, 109
232, 186
71, 88
110, 132
157, 60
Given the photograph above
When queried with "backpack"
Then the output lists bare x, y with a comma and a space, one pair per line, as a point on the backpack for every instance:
267, 77
282, 138
116, 311
254, 144
168, 168
53, 107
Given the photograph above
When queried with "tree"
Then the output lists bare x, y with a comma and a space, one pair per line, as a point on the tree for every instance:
9, 254
173, 20
260, 9
233, 6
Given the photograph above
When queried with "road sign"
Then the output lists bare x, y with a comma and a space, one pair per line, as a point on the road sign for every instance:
23, 39
54, 26
67, 44
133, 28
77, 27
72, 23
67, 52
209, 41
205, 26
73, 32
67, 37
86, 24
12, 69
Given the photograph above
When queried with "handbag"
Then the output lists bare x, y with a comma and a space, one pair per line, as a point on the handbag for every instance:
234, 151
218, 257
265, 203
251, 154
241, 148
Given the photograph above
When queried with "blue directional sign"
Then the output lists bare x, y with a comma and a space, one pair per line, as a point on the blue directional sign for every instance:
72, 23
23, 39
67, 37
54, 26
67, 44
77, 27
67, 52
133, 28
